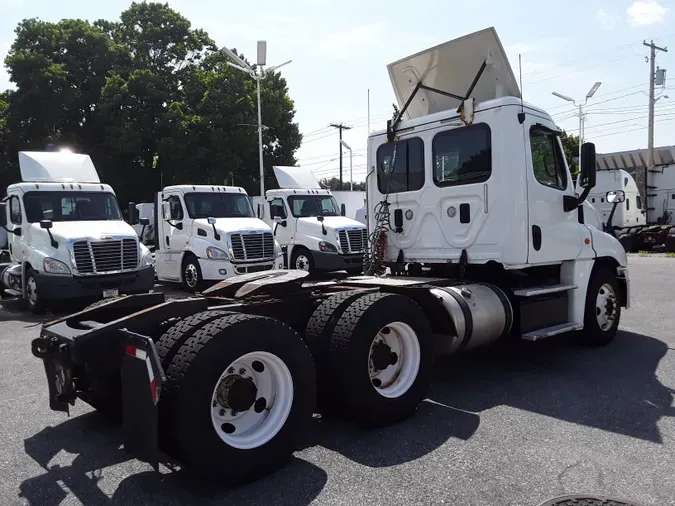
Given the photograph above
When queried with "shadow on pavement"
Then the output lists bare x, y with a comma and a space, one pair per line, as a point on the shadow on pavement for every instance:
96, 444
612, 388
428, 429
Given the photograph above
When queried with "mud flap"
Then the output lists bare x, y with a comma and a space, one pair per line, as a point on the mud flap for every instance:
55, 357
142, 379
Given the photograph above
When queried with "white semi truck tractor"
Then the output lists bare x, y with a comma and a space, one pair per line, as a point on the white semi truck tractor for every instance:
66, 236
477, 237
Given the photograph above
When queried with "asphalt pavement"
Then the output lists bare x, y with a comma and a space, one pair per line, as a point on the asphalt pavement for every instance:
496, 430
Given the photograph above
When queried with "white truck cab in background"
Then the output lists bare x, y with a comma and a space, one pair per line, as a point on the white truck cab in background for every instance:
630, 213
310, 226
210, 233
66, 235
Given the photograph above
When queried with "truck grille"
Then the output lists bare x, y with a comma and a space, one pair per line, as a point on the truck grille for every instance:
100, 257
252, 246
353, 241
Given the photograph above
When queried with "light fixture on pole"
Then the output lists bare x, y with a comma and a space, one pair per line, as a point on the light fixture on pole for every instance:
590, 94
351, 166
258, 74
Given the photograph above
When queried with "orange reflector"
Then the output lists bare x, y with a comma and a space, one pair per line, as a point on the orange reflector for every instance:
587, 240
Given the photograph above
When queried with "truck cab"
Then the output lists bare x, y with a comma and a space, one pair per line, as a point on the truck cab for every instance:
210, 233
66, 235
470, 178
310, 226
631, 212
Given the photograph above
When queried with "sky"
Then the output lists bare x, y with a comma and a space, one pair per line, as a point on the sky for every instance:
340, 50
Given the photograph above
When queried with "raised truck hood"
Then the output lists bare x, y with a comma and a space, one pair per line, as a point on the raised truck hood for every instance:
227, 225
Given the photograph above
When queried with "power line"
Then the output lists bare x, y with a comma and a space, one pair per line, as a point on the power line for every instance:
340, 128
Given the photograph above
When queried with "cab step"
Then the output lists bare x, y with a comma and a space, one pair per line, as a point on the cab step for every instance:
536, 335
534, 291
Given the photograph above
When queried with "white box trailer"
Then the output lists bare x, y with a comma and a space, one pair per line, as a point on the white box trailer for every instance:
475, 214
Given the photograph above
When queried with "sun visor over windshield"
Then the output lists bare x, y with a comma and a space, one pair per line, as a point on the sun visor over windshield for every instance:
57, 167
295, 177
451, 67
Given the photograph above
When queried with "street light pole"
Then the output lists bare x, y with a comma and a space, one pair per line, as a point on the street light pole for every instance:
351, 166
258, 74
582, 118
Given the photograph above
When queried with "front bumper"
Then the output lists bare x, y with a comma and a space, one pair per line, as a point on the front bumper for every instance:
57, 287
336, 262
219, 270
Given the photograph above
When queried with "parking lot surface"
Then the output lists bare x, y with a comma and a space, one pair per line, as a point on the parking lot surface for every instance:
514, 429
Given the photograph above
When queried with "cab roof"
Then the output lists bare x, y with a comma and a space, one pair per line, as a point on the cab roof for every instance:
204, 188
57, 166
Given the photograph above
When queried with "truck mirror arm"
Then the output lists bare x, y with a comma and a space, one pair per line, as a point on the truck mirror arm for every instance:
608, 226
571, 203
178, 226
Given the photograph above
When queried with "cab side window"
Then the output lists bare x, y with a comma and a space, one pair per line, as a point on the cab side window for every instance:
15, 210
176, 208
547, 159
277, 208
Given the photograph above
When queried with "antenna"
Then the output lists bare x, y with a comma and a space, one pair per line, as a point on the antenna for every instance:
521, 114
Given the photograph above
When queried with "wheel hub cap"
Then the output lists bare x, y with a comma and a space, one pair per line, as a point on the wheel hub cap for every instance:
191, 275
382, 356
237, 393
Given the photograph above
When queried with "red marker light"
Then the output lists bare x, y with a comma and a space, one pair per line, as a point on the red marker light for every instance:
587, 240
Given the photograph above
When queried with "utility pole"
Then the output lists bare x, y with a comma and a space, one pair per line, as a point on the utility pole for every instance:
340, 128
650, 141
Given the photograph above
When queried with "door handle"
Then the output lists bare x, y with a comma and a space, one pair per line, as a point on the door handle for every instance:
166, 238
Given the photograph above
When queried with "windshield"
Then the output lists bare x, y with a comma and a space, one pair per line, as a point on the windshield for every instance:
218, 205
70, 206
303, 206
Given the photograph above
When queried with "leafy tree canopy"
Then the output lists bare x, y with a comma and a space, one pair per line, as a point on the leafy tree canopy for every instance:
148, 97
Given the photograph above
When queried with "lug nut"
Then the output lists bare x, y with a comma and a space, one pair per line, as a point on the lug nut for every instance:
230, 370
222, 412
242, 371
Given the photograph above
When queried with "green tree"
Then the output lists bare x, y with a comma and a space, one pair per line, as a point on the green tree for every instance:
148, 97
571, 147
333, 183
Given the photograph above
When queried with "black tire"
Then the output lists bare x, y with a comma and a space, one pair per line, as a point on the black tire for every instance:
318, 332
297, 251
592, 334
192, 376
191, 274
348, 358
35, 305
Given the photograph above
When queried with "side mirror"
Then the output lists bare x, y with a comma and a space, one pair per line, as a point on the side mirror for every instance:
46, 224
588, 166
166, 211
17, 231
277, 219
210, 220
261, 211
617, 197
3, 214
319, 218
144, 221
343, 210
132, 213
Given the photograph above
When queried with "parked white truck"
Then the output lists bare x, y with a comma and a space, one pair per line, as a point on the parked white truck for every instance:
631, 213
474, 211
312, 229
210, 233
66, 235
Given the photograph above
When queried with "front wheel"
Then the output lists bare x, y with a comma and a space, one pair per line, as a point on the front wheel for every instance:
302, 260
192, 275
35, 302
603, 308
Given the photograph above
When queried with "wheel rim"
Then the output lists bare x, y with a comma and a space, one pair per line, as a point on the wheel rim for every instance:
191, 275
394, 359
252, 400
606, 307
31, 291
302, 263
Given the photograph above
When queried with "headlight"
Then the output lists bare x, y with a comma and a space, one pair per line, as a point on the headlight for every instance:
147, 259
53, 266
327, 247
216, 253
277, 249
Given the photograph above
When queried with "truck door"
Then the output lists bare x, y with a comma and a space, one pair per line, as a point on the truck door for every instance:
16, 243
282, 231
554, 235
172, 240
